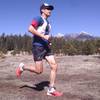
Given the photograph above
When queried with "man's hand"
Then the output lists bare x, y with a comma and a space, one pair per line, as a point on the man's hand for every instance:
47, 37
35, 32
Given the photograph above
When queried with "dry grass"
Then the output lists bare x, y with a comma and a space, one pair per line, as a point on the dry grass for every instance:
78, 77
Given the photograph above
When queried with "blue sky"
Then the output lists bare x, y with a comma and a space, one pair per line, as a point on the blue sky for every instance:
69, 16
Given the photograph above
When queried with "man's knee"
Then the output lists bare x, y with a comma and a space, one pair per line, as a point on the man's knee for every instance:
54, 66
39, 71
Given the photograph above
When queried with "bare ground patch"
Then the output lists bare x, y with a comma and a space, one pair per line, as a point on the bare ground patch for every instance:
78, 77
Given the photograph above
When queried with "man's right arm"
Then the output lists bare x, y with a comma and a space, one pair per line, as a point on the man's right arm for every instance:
35, 32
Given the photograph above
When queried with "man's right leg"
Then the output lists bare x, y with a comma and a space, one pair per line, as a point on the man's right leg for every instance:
38, 54
38, 68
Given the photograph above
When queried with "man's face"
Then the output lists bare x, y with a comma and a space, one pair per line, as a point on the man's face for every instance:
47, 12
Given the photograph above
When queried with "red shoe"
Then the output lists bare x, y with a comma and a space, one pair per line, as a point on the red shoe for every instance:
53, 92
19, 70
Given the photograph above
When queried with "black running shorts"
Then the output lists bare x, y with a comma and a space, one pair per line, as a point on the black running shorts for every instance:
39, 52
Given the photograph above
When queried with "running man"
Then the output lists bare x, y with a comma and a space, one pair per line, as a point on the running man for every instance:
40, 28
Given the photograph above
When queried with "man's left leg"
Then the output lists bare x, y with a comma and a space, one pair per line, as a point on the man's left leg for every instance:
53, 65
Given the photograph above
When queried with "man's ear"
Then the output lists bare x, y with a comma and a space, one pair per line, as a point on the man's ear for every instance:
42, 10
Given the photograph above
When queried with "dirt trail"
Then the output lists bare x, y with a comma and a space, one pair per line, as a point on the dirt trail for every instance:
78, 77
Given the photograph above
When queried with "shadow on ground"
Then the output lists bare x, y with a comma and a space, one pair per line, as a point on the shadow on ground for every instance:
38, 87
